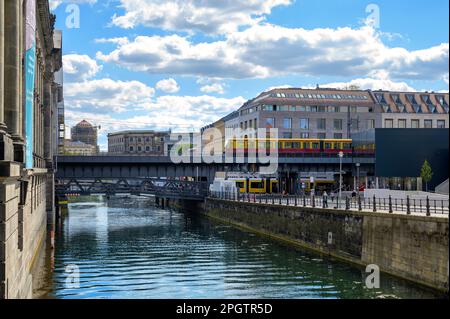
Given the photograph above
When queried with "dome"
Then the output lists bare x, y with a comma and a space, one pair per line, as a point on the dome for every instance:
84, 123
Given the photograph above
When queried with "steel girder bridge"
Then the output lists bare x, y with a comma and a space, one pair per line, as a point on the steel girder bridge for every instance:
163, 188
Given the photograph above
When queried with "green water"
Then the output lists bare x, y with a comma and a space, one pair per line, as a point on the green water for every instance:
128, 248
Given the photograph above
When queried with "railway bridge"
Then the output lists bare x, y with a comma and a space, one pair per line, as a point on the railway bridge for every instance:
159, 176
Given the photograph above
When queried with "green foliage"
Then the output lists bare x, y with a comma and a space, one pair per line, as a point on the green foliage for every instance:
426, 173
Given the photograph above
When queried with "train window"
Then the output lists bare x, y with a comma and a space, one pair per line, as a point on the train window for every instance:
240, 185
306, 145
287, 145
327, 146
346, 146
296, 145
337, 146
315, 145
257, 185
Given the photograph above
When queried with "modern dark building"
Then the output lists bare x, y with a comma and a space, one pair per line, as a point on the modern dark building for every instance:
400, 154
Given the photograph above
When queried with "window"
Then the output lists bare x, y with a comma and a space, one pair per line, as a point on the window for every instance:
337, 135
131, 139
389, 123
353, 109
287, 135
147, 148
337, 124
428, 123
380, 98
354, 124
402, 123
304, 124
287, 123
131, 149
139, 149
321, 124
304, 135
370, 124
415, 124
322, 136
270, 122
440, 123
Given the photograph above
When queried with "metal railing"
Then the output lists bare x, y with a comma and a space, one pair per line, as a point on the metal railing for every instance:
391, 205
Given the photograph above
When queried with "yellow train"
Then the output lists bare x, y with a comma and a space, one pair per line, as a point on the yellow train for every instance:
257, 185
290, 146
244, 183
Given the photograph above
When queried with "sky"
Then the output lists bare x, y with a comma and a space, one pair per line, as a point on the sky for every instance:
183, 64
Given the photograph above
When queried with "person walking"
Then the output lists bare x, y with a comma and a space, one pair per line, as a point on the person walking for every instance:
325, 199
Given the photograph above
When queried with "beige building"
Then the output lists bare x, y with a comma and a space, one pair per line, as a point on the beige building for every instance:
329, 113
138, 142
26, 160
79, 148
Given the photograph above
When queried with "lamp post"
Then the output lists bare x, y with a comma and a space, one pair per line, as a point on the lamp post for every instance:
341, 155
357, 177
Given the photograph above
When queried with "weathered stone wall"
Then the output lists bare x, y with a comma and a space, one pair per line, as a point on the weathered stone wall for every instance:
412, 247
22, 231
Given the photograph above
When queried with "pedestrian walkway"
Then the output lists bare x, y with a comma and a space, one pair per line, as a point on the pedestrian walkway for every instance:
414, 207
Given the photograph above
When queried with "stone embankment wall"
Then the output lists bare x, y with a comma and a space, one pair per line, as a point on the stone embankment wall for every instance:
411, 247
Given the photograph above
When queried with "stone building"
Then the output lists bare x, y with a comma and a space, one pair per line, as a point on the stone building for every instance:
79, 148
85, 132
27, 108
332, 113
138, 142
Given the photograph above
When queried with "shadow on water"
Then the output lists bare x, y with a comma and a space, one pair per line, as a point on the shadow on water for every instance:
129, 248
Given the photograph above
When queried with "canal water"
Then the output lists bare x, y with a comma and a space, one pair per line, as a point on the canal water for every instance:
128, 248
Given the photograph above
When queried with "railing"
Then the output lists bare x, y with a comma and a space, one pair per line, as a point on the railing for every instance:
383, 205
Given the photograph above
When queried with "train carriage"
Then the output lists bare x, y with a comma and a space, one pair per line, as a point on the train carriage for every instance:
242, 146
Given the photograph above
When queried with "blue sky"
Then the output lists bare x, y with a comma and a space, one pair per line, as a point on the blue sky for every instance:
153, 64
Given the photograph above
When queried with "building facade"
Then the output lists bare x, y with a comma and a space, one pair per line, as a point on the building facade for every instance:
85, 132
401, 152
28, 60
138, 142
413, 109
79, 148
335, 114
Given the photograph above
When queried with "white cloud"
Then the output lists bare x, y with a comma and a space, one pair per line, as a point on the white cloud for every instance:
56, 3
211, 17
106, 95
168, 86
213, 88
119, 41
79, 67
371, 84
263, 51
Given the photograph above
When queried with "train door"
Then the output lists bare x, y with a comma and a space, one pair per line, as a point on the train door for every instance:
267, 186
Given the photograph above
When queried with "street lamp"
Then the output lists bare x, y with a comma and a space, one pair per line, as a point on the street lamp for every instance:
341, 155
357, 177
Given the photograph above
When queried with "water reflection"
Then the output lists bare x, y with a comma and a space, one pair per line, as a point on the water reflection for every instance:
127, 248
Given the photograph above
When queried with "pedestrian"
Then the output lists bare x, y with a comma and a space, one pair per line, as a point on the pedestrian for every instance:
325, 199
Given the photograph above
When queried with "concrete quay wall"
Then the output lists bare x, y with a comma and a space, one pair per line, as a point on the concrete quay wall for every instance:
414, 248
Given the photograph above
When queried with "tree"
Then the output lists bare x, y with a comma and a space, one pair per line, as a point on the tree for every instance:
426, 173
